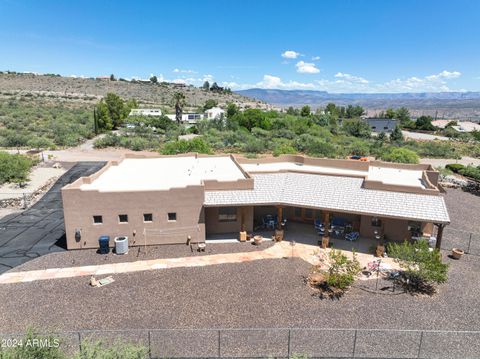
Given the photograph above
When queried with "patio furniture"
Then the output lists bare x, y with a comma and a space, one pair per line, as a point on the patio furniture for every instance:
352, 236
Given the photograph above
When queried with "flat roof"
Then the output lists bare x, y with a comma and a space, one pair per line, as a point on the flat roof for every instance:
143, 174
387, 175
396, 176
299, 167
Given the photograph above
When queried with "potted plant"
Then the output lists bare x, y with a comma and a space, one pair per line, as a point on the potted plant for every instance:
457, 253
257, 239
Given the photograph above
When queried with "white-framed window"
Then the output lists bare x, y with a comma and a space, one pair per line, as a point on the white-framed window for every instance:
227, 214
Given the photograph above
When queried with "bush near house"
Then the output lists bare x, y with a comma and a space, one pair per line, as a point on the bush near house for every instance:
471, 171
14, 168
400, 155
422, 268
455, 167
182, 146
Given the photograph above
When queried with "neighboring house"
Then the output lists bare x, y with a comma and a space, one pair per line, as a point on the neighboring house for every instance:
214, 113
188, 118
462, 126
171, 199
381, 124
145, 112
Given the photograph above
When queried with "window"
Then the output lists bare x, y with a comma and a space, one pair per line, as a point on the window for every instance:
123, 218
148, 217
172, 216
376, 222
385, 128
227, 214
97, 219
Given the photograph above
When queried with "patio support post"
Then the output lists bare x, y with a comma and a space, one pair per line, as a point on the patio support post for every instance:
440, 226
280, 214
326, 222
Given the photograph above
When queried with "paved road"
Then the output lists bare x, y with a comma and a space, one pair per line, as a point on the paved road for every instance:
423, 136
39, 229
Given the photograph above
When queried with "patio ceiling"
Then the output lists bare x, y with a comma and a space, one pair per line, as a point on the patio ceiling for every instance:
334, 193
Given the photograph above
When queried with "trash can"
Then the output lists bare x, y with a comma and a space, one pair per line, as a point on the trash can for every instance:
104, 242
121, 245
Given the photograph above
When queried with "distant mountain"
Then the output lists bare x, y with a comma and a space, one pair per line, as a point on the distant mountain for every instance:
369, 100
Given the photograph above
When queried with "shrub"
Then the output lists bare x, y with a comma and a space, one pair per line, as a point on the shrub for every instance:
14, 167
118, 350
182, 146
342, 271
422, 267
283, 149
471, 171
357, 128
400, 155
455, 167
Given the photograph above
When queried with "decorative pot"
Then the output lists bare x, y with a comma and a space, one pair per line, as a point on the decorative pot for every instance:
457, 253
257, 239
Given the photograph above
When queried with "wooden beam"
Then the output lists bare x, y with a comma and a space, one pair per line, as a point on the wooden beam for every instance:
440, 226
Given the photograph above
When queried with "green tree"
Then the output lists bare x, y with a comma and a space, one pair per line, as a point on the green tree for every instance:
232, 110
422, 267
424, 123
390, 113
305, 111
206, 86
403, 115
400, 155
112, 77
331, 109
179, 102
357, 128
210, 103
154, 79
354, 111
292, 111
396, 135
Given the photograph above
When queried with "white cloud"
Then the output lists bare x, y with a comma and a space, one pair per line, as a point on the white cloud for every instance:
315, 58
290, 54
306, 68
180, 71
444, 75
274, 82
351, 78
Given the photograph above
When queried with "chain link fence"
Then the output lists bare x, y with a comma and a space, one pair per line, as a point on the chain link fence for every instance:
285, 343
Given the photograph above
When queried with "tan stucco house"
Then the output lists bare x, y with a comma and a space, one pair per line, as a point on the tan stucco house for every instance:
168, 199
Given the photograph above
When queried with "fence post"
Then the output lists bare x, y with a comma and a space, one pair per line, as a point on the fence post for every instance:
354, 344
25, 205
420, 344
79, 342
289, 353
469, 243
219, 345
149, 346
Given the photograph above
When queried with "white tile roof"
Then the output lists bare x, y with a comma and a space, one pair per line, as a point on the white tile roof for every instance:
334, 193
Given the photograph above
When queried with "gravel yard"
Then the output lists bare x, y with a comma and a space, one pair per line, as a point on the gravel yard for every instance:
267, 293
91, 257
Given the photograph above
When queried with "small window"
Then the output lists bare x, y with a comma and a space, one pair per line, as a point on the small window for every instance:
227, 214
148, 217
123, 218
172, 216
97, 219
376, 222
385, 128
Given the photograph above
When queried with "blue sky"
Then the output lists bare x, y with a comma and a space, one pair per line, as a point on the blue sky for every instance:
337, 46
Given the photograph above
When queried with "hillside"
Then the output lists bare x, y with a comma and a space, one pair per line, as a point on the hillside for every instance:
90, 90
445, 104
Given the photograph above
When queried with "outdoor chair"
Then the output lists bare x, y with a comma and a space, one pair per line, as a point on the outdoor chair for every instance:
352, 236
